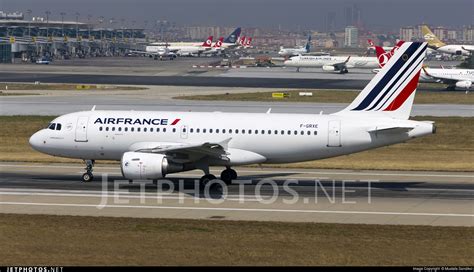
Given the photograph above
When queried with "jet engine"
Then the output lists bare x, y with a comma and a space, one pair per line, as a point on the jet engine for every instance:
137, 165
463, 84
329, 68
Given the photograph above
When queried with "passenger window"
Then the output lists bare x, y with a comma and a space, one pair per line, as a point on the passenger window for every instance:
276, 132
256, 131
269, 132
243, 131
210, 130
217, 130
100, 128
295, 132
191, 130
132, 129
113, 128
58, 126
309, 132
184, 130
198, 130
138, 129
119, 128
289, 132
302, 132
107, 129
157, 129
282, 132
223, 131
144, 129
236, 131
126, 129
315, 132
230, 130
174, 130
164, 129
203, 130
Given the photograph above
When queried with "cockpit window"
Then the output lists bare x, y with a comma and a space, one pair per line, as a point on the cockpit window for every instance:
52, 126
58, 126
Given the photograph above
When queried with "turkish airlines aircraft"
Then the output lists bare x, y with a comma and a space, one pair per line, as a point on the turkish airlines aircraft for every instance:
152, 144
338, 64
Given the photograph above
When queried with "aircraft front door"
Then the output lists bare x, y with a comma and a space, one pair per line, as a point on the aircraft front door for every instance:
81, 129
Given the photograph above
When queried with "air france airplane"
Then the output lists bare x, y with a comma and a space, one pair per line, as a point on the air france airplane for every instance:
152, 144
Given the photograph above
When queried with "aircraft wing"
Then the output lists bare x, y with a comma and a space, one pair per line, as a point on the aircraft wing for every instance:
340, 65
184, 152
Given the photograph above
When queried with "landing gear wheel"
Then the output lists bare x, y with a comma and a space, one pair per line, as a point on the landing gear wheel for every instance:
206, 179
228, 175
87, 177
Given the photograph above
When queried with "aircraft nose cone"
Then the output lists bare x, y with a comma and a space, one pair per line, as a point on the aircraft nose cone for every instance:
36, 141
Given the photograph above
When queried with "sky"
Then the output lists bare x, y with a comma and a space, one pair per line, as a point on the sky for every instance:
288, 14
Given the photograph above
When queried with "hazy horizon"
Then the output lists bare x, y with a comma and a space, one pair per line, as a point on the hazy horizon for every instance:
302, 14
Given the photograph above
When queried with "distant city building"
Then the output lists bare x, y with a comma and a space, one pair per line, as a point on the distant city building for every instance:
330, 22
468, 34
351, 38
352, 15
440, 32
407, 33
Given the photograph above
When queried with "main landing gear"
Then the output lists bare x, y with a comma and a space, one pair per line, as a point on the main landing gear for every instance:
227, 176
87, 176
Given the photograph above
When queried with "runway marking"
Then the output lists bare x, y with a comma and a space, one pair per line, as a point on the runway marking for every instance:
277, 170
240, 209
134, 196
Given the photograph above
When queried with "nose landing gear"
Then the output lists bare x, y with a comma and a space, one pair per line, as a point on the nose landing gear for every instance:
88, 176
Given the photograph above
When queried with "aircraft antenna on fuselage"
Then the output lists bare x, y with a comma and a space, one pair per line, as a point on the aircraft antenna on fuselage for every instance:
93, 108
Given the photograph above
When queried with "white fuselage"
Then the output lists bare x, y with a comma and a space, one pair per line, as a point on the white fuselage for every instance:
320, 61
457, 49
249, 137
437, 74
289, 52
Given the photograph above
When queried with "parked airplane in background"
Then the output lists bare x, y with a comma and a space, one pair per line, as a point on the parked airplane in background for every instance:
289, 52
372, 45
174, 49
339, 64
455, 78
435, 43
232, 40
216, 48
152, 144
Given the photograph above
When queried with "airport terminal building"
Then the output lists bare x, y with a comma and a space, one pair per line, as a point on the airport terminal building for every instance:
44, 38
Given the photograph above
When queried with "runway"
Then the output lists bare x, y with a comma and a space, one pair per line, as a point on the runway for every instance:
159, 98
266, 194
191, 79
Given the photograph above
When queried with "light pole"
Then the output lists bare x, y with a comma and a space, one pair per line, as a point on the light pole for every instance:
89, 17
29, 22
77, 25
101, 20
47, 23
62, 22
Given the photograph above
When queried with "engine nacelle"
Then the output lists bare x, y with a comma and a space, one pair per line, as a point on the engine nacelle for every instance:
329, 68
137, 165
463, 84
